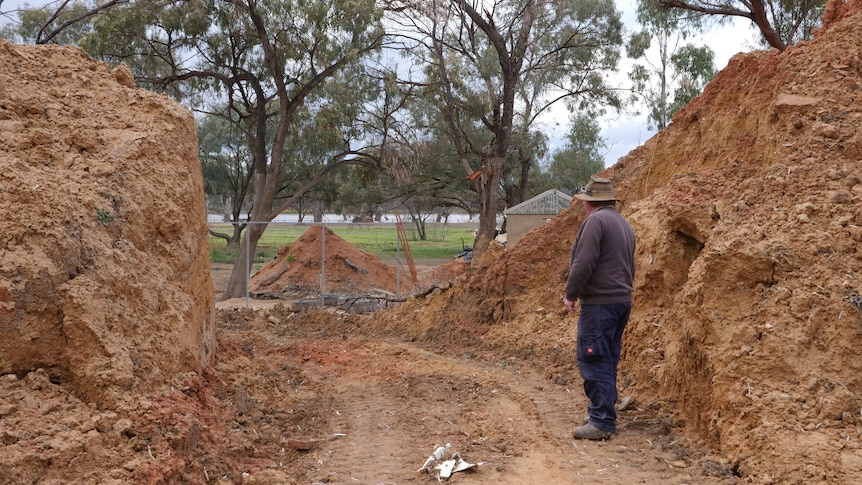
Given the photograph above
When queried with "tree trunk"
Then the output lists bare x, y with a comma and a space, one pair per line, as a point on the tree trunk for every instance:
226, 209
488, 185
238, 282
234, 240
524, 183
762, 21
419, 224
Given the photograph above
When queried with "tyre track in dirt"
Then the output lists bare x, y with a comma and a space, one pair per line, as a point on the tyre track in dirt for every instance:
517, 423
370, 444
642, 451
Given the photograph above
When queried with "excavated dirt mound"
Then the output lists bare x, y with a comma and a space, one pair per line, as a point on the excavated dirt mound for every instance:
98, 269
347, 269
105, 289
296, 272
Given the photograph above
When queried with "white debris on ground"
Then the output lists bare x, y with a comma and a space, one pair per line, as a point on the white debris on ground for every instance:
445, 468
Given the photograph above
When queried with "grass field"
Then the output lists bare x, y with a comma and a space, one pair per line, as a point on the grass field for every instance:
443, 241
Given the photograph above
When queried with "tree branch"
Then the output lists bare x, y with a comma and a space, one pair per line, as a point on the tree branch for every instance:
87, 14
757, 15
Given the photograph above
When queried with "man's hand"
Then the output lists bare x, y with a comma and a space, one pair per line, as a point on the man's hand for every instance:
570, 305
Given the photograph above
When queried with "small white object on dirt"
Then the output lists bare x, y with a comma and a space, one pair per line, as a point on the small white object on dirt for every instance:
446, 468
438, 455
461, 465
456, 464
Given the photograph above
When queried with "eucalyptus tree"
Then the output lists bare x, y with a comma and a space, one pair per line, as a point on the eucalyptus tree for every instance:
274, 65
580, 156
429, 183
435, 181
518, 181
494, 66
668, 71
62, 22
224, 154
695, 67
417, 181
421, 175
781, 22
361, 193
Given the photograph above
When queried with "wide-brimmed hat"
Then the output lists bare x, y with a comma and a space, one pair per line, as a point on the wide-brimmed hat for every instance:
599, 189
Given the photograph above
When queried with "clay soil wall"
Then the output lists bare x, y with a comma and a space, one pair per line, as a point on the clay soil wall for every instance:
104, 267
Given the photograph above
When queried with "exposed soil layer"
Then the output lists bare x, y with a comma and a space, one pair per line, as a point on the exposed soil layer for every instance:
741, 361
98, 265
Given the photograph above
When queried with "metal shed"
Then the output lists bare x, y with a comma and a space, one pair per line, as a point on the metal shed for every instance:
532, 213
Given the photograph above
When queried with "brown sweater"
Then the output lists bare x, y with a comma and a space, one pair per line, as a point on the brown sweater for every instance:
602, 263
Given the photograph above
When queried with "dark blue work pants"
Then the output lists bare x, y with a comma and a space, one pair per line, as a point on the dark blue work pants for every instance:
600, 334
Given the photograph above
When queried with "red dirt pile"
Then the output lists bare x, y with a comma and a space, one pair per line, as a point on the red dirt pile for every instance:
295, 272
748, 211
104, 280
347, 269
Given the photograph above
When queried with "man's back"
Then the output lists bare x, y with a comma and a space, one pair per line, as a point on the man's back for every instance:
602, 265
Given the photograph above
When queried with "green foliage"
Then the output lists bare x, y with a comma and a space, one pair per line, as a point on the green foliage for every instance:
360, 191
695, 67
781, 22
581, 157
49, 23
225, 159
668, 72
444, 241
796, 20
521, 169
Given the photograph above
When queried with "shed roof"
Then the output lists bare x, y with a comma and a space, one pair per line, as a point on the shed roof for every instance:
548, 202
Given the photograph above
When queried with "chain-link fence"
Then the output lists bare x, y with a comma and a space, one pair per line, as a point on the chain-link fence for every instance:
383, 238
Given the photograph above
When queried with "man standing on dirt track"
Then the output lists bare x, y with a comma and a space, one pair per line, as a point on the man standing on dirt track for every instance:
601, 278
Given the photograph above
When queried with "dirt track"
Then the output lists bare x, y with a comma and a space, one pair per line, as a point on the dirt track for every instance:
395, 402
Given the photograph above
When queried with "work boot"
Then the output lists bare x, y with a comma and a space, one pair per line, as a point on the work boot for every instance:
590, 432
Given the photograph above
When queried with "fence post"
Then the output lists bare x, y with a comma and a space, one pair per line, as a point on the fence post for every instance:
322, 264
247, 262
398, 268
